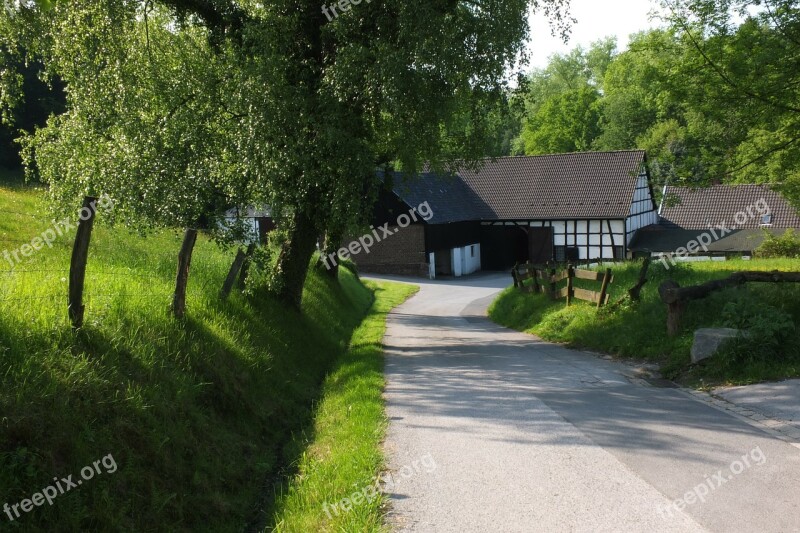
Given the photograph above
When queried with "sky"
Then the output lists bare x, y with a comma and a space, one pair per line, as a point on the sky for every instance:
596, 19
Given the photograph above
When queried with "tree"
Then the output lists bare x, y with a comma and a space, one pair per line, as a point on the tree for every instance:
635, 96
743, 57
568, 81
275, 101
568, 122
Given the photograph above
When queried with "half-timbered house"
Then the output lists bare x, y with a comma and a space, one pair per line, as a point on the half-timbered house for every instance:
577, 206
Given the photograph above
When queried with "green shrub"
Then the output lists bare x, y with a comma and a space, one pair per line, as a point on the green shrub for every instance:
767, 327
786, 245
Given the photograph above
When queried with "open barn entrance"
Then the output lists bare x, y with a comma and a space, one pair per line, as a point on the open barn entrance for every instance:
503, 246
540, 245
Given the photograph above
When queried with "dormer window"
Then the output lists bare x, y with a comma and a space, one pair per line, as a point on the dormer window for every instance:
766, 220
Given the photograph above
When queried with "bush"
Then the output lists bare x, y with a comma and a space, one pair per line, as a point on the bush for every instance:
786, 245
767, 327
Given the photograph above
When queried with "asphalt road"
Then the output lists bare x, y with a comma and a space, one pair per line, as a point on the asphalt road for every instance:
495, 430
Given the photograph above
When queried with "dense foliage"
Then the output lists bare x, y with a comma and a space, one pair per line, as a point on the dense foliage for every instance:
39, 102
712, 96
785, 245
178, 108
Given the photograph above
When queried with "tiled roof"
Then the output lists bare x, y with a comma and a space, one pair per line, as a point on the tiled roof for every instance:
450, 199
660, 238
697, 208
577, 185
559, 186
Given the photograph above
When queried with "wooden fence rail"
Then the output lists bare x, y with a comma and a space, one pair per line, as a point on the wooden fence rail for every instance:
545, 279
677, 297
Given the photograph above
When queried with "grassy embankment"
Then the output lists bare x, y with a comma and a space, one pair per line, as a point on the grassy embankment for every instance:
344, 456
638, 330
197, 414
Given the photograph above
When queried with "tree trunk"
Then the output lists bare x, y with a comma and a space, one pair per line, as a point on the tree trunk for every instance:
184, 262
292, 266
332, 243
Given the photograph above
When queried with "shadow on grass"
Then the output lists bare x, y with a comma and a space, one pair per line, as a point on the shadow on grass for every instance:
197, 413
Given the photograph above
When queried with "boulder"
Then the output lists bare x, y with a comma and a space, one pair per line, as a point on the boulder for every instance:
707, 341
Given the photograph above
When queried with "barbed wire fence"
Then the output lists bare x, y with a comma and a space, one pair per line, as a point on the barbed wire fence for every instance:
60, 295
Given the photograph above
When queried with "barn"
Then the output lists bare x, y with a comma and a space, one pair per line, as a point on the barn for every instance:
575, 206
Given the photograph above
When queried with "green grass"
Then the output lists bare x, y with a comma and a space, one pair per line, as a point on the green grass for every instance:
344, 454
638, 330
198, 414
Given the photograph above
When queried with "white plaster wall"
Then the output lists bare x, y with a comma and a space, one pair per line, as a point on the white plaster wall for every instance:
455, 255
472, 263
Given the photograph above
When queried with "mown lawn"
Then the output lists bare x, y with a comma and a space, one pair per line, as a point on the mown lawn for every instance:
638, 330
198, 414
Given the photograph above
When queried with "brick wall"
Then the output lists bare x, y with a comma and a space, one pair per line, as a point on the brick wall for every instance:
402, 253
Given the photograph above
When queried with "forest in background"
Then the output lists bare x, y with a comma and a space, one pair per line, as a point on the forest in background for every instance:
711, 96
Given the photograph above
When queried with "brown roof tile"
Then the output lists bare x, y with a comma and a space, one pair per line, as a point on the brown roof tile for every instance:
697, 208
558, 186
575, 185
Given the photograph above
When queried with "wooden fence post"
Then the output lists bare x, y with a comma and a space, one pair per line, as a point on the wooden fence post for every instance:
232, 273
674, 315
77, 266
570, 277
675, 307
604, 288
635, 292
515, 277
553, 288
184, 262
242, 283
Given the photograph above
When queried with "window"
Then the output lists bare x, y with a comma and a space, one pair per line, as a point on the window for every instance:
573, 253
563, 254
472, 251
619, 252
766, 220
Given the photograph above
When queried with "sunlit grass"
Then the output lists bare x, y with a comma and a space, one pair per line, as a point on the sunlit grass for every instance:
638, 331
344, 452
196, 413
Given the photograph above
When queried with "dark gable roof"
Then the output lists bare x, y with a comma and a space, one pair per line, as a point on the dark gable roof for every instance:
559, 186
697, 208
659, 238
449, 198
